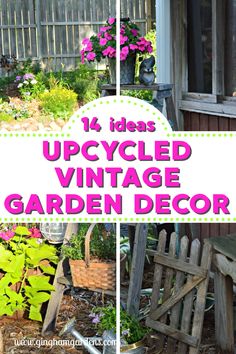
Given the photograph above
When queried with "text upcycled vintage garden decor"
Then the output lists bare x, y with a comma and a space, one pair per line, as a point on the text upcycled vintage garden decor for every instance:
117, 159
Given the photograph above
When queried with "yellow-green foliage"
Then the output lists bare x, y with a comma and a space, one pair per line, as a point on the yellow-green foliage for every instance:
5, 117
60, 102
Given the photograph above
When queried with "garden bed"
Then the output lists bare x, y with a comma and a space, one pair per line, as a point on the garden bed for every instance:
78, 305
32, 100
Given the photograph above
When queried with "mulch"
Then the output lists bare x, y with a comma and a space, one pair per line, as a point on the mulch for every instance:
76, 304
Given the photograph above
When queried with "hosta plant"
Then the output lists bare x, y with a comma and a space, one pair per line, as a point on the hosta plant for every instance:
25, 268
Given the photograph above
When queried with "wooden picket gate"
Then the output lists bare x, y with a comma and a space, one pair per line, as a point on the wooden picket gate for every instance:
179, 317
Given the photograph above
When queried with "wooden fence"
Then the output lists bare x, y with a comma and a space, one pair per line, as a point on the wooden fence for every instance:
51, 30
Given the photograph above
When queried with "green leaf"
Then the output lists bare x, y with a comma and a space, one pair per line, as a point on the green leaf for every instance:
5, 281
40, 282
44, 252
34, 313
17, 265
5, 257
13, 296
47, 269
39, 298
22, 231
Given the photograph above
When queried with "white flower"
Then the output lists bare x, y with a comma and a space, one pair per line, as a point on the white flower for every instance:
26, 82
33, 82
20, 85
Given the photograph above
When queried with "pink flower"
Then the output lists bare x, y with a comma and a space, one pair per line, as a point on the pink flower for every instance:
91, 56
108, 36
103, 41
109, 52
133, 46
124, 53
123, 39
82, 56
6, 236
85, 41
111, 20
104, 29
88, 47
149, 49
134, 32
35, 233
122, 31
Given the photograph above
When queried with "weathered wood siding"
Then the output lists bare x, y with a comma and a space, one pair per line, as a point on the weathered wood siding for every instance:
52, 30
203, 122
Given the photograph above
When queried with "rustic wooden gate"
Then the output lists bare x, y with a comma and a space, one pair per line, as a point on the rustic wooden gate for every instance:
178, 315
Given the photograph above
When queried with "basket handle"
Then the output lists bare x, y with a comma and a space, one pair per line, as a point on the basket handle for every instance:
87, 244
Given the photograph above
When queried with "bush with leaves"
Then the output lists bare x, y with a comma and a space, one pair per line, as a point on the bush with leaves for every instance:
26, 266
60, 102
102, 246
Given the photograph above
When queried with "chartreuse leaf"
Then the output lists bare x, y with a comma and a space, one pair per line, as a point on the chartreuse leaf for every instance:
44, 252
5, 258
13, 296
40, 282
39, 298
22, 231
29, 291
6, 280
17, 265
34, 313
47, 269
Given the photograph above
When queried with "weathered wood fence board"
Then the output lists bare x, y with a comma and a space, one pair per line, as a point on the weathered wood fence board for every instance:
180, 313
51, 30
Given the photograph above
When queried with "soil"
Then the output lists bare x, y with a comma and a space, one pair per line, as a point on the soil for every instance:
74, 304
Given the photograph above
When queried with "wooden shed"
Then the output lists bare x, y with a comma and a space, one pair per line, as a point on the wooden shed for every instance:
196, 51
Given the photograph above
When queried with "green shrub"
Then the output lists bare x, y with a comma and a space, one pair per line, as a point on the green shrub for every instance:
100, 247
4, 117
60, 102
84, 81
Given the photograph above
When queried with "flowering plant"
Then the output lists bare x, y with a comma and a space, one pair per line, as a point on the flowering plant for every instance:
28, 85
103, 45
25, 269
131, 330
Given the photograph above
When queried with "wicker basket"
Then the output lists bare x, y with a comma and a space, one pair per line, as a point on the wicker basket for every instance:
91, 274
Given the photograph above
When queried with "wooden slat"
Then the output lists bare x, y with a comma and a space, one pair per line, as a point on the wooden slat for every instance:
56, 296
172, 332
224, 325
137, 267
201, 297
168, 283
180, 279
158, 271
175, 298
179, 264
188, 301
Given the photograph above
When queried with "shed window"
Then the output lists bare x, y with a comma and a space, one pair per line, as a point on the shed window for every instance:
230, 47
211, 49
200, 46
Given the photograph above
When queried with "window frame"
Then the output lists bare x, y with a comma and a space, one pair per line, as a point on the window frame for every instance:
215, 103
